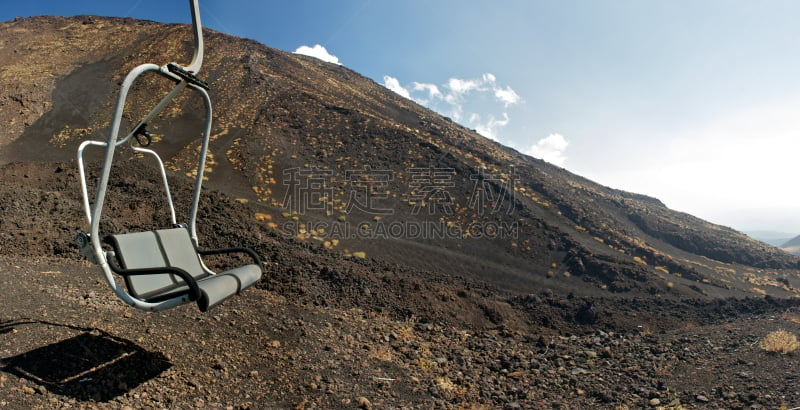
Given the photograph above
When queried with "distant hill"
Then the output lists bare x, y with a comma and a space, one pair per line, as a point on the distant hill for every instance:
770, 237
338, 161
792, 245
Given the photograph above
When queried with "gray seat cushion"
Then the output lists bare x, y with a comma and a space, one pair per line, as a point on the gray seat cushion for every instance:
218, 288
174, 248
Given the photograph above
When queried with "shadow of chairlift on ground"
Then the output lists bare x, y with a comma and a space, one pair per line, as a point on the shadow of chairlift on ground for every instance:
90, 366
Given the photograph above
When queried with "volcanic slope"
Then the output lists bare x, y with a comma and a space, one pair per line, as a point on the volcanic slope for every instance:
324, 154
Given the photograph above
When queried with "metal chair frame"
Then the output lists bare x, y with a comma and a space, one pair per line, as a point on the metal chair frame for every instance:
91, 243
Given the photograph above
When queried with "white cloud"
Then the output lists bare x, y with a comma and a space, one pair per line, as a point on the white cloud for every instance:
550, 148
489, 128
475, 99
319, 52
455, 108
432, 89
507, 96
394, 85
459, 86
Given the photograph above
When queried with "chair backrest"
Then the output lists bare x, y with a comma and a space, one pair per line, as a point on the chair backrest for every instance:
156, 249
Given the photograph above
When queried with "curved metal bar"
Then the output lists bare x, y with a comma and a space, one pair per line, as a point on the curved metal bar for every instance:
188, 279
253, 255
140, 304
197, 58
81, 168
198, 185
163, 179
111, 144
135, 73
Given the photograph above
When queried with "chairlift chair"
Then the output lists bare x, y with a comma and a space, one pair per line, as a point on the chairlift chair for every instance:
161, 268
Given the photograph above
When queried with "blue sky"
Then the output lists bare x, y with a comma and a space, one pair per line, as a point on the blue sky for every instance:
693, 102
